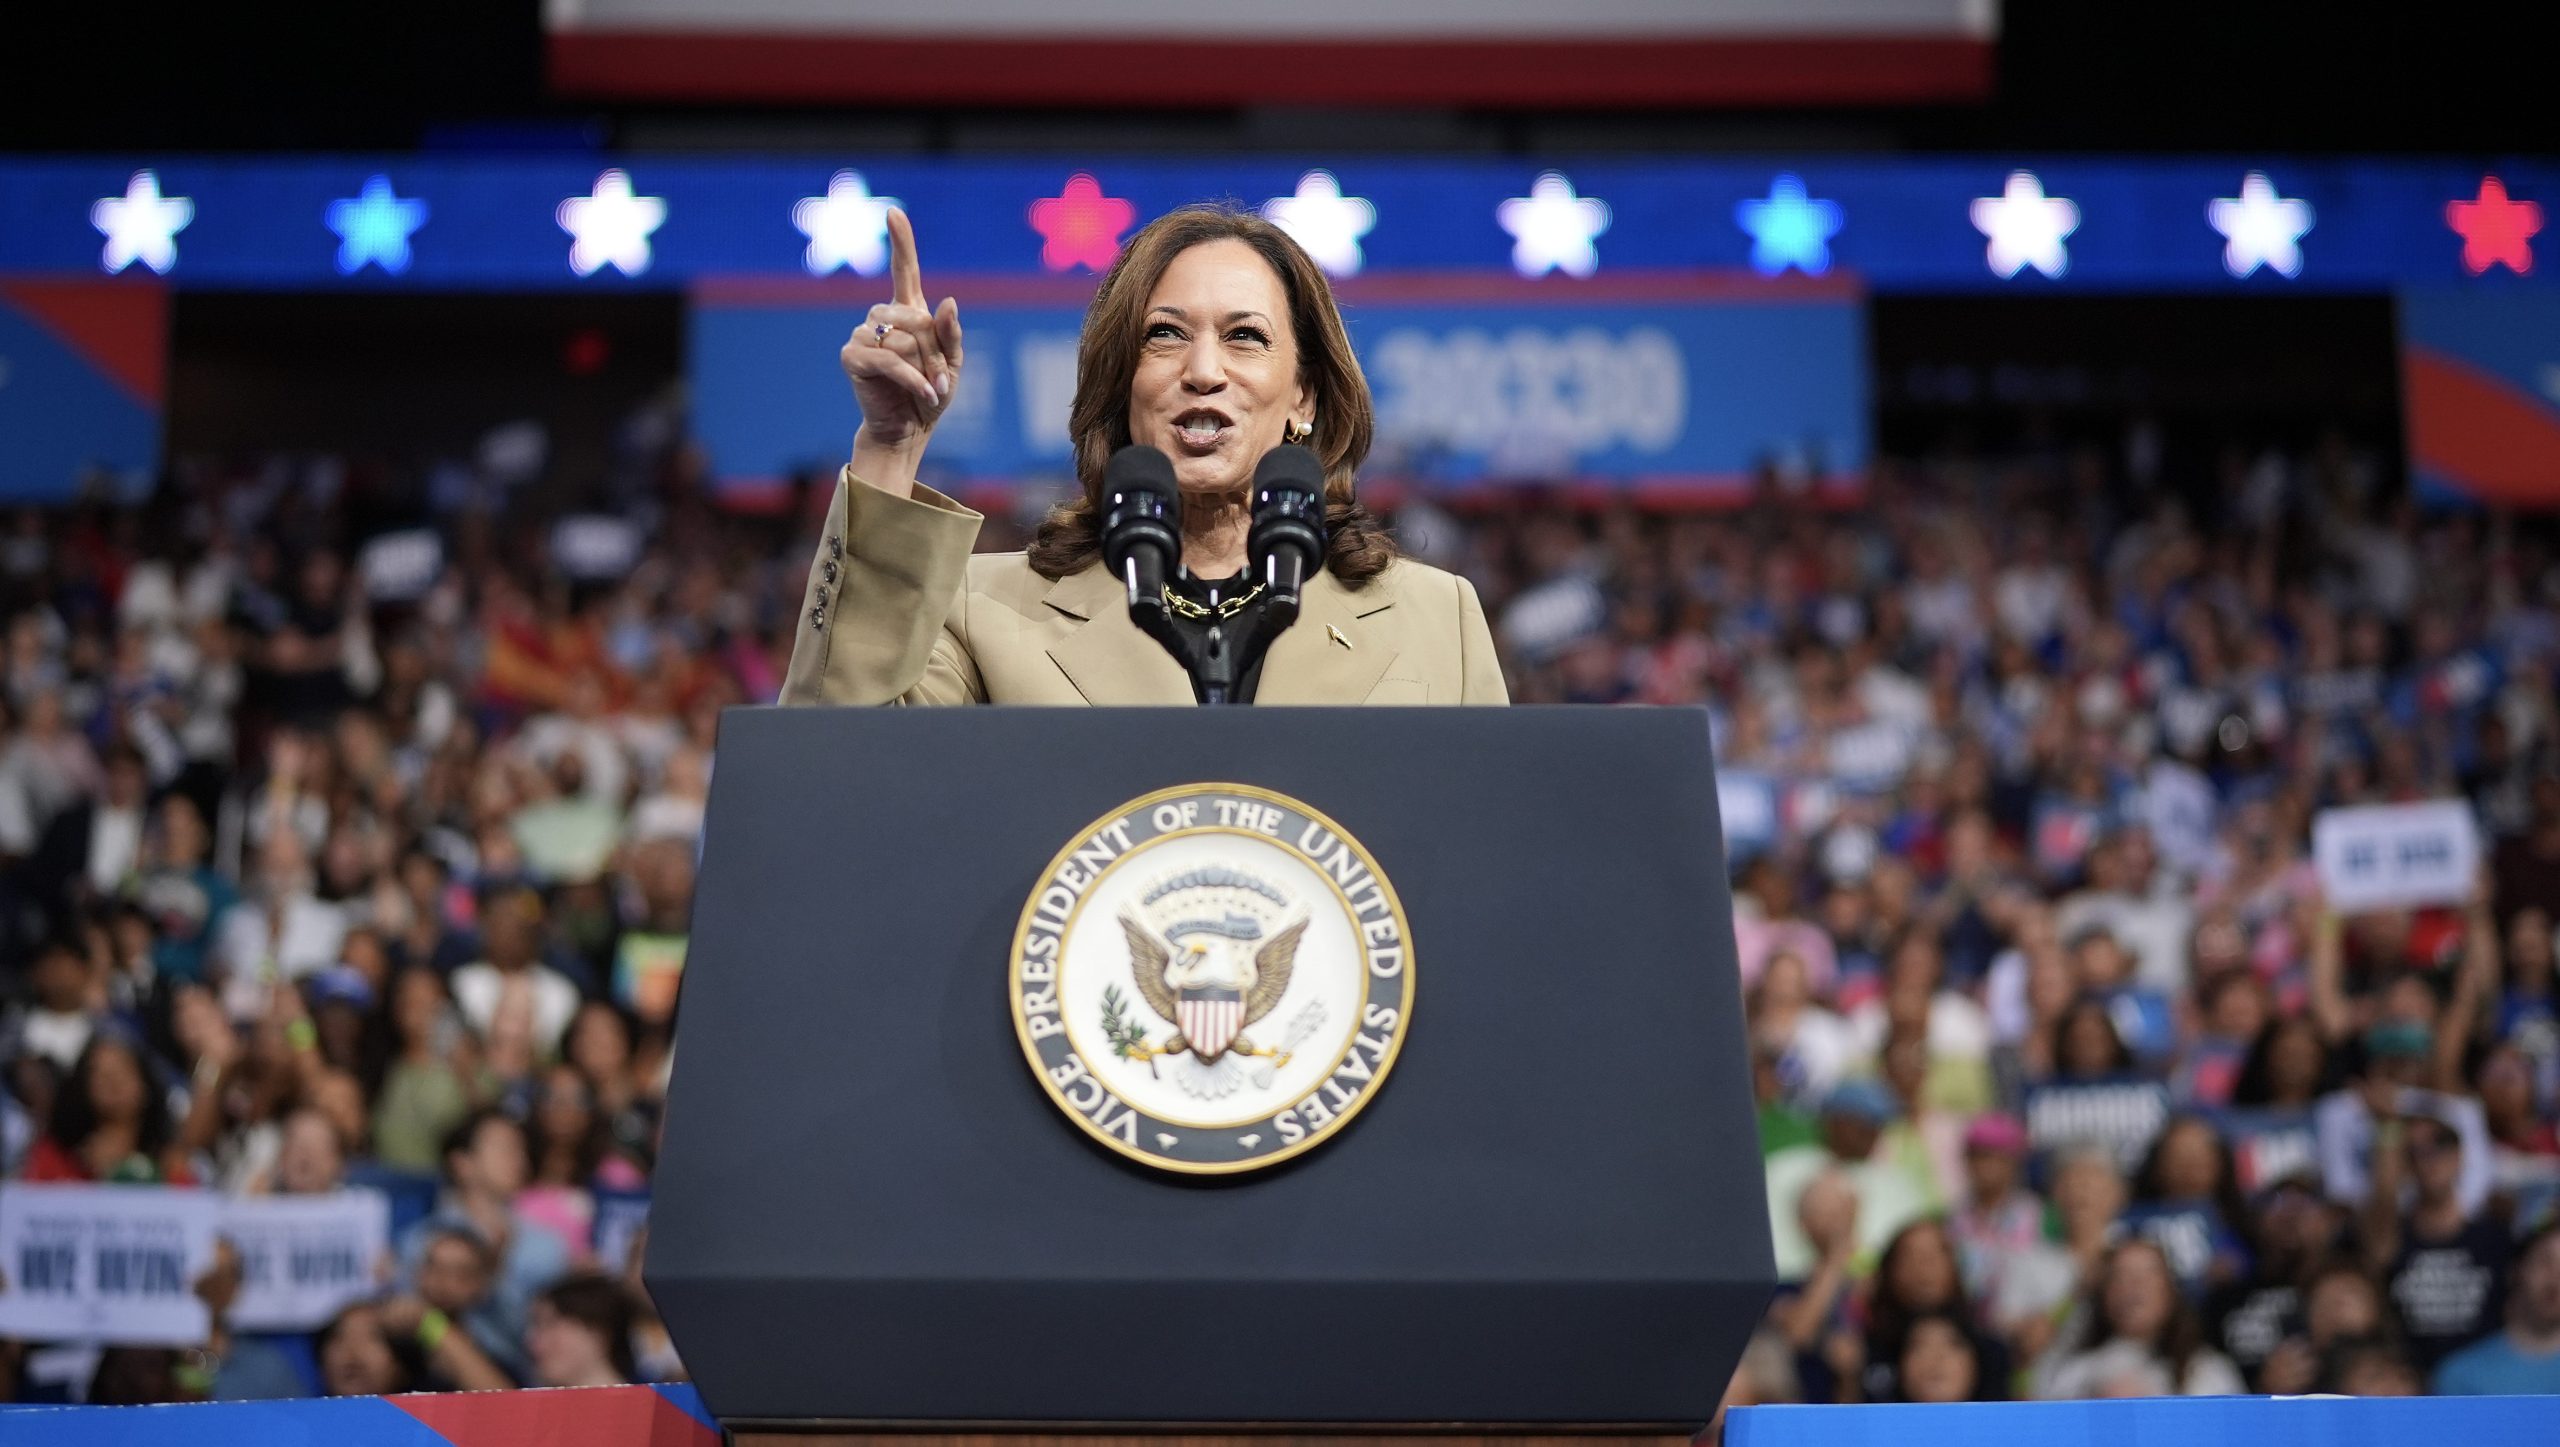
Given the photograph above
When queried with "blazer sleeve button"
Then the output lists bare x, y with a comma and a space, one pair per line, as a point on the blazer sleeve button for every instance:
818, 619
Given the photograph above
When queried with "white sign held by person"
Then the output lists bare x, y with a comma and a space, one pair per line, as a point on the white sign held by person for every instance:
2388, 856
112, 1264
303, 1257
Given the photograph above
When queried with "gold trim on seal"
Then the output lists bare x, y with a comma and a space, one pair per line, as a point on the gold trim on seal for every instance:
1316, 1136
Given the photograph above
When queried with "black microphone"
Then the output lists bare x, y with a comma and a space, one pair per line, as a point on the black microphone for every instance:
1287, 542
1140, 544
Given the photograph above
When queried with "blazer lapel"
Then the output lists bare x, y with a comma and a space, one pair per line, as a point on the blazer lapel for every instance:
1330, 655
1108, 660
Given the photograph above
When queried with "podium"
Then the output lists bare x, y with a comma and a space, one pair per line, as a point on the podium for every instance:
1544, 1216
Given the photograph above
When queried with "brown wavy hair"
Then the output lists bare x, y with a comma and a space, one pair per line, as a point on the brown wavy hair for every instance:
1070, 538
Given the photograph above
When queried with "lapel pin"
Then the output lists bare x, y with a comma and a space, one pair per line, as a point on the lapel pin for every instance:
1336, 635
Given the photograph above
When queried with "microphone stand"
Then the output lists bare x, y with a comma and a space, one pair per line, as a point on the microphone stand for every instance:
1216, 668
1222, 656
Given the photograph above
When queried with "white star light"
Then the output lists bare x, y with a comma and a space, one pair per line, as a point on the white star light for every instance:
2260, 228
611, 226
2026, 227
848, 226
1552, 229
141, 225
1324, 221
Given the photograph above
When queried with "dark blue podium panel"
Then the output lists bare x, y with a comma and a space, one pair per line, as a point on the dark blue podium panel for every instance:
868, 1208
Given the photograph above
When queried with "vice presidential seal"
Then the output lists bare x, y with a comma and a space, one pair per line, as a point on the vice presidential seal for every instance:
1212, 979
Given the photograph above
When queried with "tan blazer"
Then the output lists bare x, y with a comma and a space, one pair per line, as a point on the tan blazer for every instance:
898, 610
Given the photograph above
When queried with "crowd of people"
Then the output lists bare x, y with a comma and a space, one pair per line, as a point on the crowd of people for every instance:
325, 865
2073, 1078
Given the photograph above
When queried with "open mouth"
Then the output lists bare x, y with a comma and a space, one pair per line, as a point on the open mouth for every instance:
1201, 429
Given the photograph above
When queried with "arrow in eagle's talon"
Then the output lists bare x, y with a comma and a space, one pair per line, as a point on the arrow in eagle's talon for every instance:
1303, 1024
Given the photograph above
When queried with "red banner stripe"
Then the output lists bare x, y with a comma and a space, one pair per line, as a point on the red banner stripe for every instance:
905, 69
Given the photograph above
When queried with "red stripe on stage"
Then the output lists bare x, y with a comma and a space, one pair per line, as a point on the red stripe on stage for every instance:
567, 1417
842, 68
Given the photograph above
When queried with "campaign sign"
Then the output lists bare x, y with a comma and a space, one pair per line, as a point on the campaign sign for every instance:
2389, 856
620, 1218
1747, 802
2189, 1234
399, 567
304, 1257
2268, 1146
112, 1264
1689, 384
2120, 1116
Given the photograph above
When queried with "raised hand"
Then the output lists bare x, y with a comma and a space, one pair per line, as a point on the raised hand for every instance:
904, 360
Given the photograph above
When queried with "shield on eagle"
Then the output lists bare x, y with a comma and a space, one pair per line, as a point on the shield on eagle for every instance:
1209, 1019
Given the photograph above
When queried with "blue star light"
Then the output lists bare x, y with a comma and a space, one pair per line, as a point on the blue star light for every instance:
1789, 230
374, 226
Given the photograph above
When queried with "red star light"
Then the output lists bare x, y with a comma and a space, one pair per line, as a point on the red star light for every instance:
2495, 231
1080, 226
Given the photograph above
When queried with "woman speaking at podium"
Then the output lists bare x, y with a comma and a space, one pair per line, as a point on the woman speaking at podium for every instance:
1214, 338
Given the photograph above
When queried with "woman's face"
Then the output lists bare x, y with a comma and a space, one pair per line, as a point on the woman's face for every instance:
565, 1351
2239, 1011
565, 1109
2435, 1158
2139, 1293
597, 1044
2506, 1086
1924, 1270
1782, 984
416, 1000
1906, 1069
182, 830
2088, 1044
1938, 1364
2294, 1062
115, 1085
2088, 1190
2342, 1305
2049, 982
1989, 1176
310, 1162
356, 1360
2529, 944
2190, 1162
1217, 381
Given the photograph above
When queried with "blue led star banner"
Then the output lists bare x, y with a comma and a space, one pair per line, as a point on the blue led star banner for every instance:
1939, 224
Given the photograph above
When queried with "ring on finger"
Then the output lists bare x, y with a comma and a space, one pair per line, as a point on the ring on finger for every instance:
879, 332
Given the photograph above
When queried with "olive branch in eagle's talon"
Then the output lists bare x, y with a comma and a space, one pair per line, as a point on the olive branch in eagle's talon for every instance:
1128, 1038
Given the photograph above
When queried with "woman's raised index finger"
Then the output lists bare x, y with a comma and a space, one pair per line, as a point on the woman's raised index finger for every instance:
906, 278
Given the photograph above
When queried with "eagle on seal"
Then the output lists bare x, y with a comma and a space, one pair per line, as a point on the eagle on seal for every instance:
1209, 962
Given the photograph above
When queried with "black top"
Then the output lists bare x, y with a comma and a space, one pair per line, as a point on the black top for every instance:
1213, 595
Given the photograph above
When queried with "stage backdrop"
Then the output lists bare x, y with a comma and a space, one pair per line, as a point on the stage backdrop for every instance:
1676, 387
2480, 377
83, 369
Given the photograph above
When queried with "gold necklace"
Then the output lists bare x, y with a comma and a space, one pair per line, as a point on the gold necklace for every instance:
1185, 608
